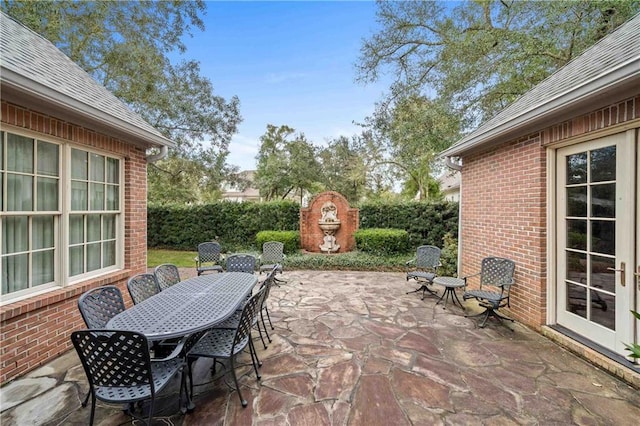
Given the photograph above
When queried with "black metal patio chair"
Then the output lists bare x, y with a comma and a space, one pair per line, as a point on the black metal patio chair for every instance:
496, 278
142, 286
167, 275
221, 343
208, 259
423, 268
272, 257
241, 262
120, 370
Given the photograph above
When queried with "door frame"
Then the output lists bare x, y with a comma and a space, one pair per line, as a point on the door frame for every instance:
632, 137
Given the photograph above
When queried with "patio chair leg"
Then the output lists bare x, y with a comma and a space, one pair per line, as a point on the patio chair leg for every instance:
86, 399
254, 360
260, 334
265, 327
268, 317
235, 380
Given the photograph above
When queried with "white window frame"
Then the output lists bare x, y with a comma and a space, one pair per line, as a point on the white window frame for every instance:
63, 214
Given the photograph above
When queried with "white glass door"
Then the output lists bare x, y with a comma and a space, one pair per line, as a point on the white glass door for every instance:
596, 239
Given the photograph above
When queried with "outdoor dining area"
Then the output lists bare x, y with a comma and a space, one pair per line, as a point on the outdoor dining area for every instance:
338, 348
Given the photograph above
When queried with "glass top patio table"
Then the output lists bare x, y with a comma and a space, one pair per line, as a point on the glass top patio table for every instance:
192, 305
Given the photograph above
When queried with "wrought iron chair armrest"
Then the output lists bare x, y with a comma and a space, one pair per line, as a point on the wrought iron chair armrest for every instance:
470, 276
408, 262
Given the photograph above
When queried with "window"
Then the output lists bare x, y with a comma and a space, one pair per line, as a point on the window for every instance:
38, 217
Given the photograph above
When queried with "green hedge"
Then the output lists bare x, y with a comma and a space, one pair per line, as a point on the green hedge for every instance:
290, 239
236, 225
382, 241
425, 222
233, 225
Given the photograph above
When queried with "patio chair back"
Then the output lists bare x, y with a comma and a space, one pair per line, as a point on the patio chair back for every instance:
142, 286
241, 263
272, 255
167, 275
99, 305
208, 257
118, 367
428, 258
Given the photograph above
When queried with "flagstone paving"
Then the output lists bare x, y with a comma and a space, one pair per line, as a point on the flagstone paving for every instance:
351, 348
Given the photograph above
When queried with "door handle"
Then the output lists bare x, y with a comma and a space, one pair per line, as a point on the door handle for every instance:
622, 274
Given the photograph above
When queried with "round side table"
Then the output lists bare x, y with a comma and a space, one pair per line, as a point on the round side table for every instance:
450, 285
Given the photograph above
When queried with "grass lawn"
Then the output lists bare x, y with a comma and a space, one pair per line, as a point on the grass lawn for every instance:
182, 259
354, 260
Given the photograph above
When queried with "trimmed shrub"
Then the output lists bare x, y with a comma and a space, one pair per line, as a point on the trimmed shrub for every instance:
426, 221
382, 241
290, 239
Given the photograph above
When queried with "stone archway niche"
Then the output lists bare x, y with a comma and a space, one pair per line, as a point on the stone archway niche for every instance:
328, 224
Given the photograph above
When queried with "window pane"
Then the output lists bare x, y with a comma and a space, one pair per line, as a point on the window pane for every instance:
113, 170
603, 236
109, 227
79, 195
112, 198
1, 150
577, 168
76, 260
76, 229
577, 201
79, 165
577, 300
19, 193
19, 153
42, 267
109, 254
93, 257
42, 232
15, 234
97, 196
603, 200
47, 194
577, 267
47, 159
97, 167
15, 273
93, 227
577, 234
603, 164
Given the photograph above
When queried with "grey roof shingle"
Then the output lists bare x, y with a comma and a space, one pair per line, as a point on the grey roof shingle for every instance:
614, 57
33, 64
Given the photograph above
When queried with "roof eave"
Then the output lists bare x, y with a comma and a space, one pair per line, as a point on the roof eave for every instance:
581, 98
26, 92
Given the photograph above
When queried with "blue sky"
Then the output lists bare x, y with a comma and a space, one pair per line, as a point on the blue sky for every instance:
289, 63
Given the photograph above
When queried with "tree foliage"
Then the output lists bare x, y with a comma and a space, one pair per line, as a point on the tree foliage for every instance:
481, 55
287, 164
414, 130
126, 46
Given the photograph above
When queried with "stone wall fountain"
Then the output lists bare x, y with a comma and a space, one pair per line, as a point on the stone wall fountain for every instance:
328, 224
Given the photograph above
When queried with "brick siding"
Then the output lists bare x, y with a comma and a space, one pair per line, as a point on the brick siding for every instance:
504, 203
37, 329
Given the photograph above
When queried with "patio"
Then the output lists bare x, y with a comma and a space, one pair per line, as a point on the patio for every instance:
352, 348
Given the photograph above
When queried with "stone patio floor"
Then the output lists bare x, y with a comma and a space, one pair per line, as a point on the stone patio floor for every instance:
351, 348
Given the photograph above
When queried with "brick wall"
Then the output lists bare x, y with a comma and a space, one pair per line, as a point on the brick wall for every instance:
37, 329
504, 201
311, 236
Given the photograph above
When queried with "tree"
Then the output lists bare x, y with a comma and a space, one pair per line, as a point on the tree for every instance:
347, 165
413, 131
285, 165
125, 45
482, 55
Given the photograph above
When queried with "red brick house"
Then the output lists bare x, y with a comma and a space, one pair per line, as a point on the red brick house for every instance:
553, 182
73, 161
